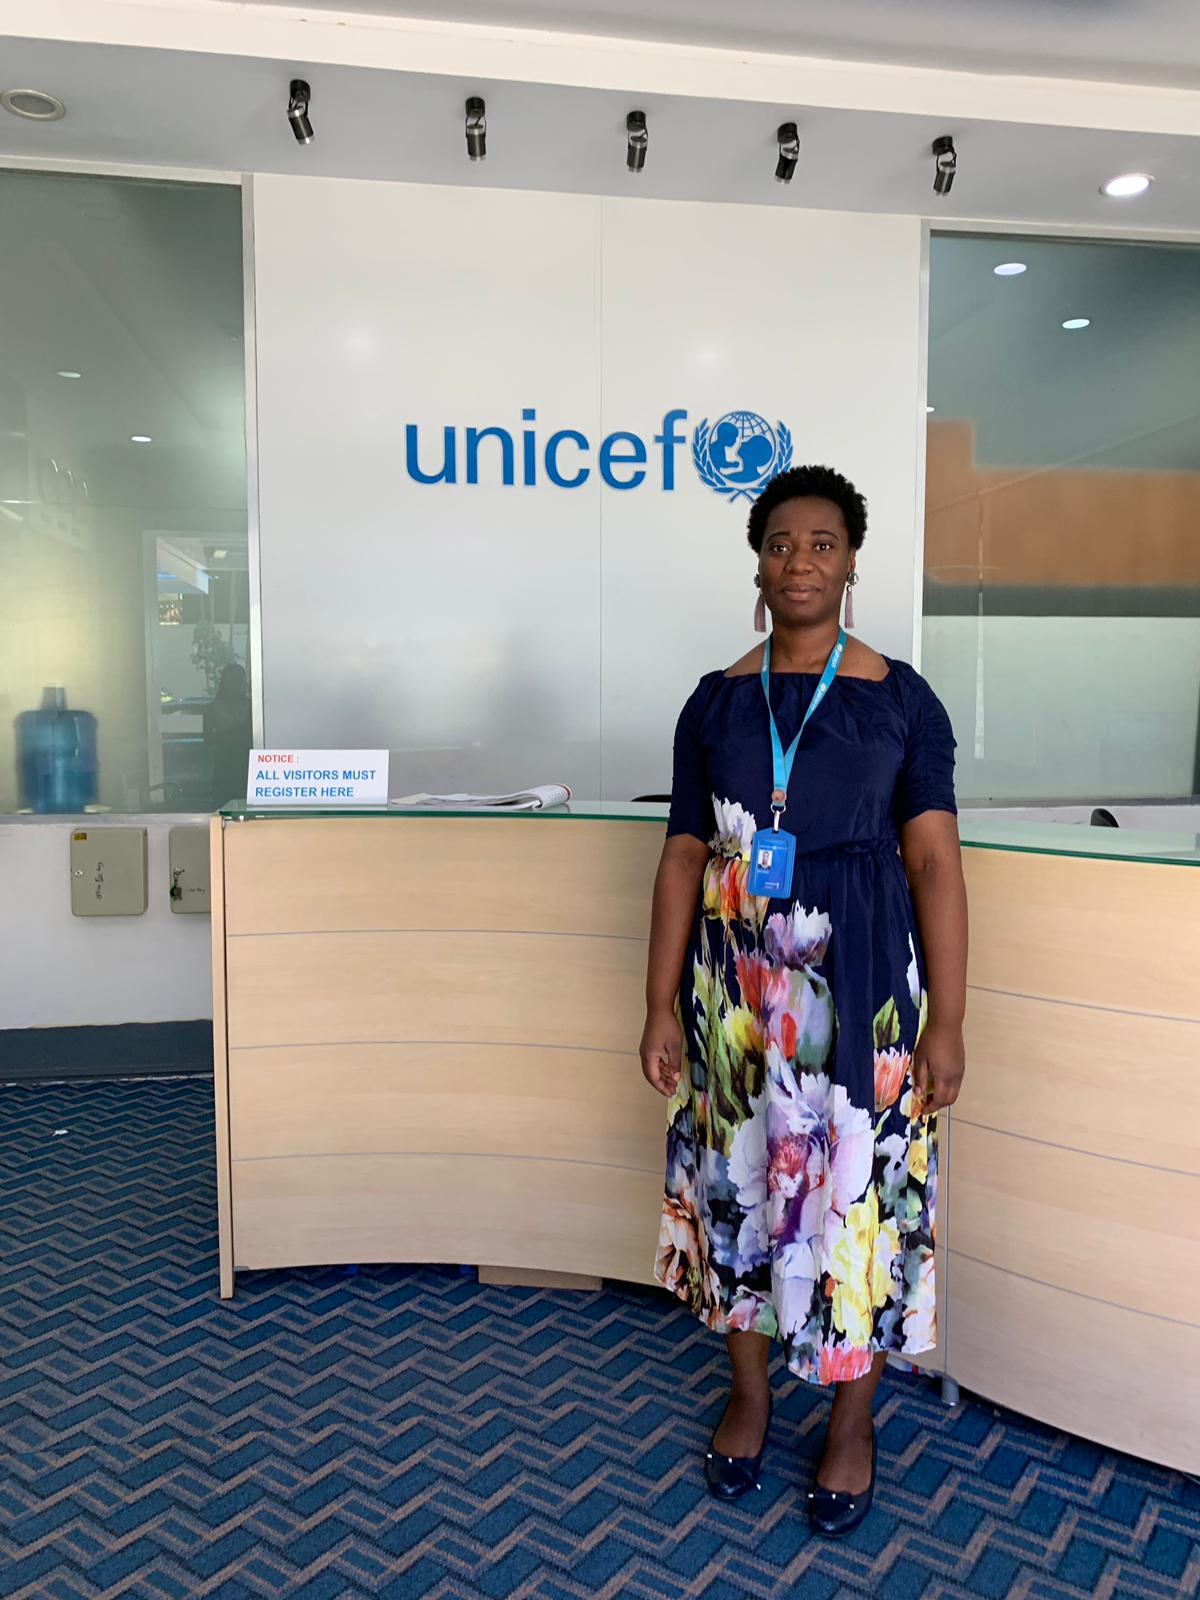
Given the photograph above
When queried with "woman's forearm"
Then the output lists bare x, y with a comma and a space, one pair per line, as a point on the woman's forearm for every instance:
939, 899
676, 890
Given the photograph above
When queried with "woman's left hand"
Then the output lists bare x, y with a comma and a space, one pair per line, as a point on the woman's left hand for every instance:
938, 1066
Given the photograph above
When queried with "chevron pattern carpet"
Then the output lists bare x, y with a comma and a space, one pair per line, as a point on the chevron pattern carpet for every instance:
404, 1432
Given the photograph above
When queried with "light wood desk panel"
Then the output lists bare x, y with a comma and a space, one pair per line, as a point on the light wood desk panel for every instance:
497, 988
1117, 935
1114, 1083
1123, 1379
431, 1067
1106, 1229
1076, 1192
589, 1106
542, 873
488, 1211
224, 1116
397, 1085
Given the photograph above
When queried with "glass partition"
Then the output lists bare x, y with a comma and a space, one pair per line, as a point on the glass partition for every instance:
1178, 846
1062, 531
124, 594
590, 810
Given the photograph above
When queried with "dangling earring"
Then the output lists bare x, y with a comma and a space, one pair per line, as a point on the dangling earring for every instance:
760, 610
851, 581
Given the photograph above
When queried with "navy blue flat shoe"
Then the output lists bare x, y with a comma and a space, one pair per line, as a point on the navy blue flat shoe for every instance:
834, 1512
730, 1477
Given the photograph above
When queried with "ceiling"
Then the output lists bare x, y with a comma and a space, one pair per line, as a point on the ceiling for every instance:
226, 113
1129, 41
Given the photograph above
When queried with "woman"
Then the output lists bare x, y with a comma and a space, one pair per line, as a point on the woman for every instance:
821, 999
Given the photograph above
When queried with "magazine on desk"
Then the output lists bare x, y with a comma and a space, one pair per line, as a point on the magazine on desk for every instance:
538, 797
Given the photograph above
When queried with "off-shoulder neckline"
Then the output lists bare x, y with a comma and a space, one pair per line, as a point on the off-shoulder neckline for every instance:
842, 677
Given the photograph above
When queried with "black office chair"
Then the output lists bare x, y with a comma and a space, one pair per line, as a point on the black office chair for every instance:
659, 798
1102, 817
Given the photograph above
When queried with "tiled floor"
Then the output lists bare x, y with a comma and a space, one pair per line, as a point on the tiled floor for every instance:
403, 1432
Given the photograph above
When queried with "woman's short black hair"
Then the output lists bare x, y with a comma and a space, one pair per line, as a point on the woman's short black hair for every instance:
799, 483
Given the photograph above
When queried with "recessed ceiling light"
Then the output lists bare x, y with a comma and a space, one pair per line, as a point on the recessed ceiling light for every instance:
1126, 185
928, 410
1072, 323
67, 373
33, 104
219, 555
1009, 269
140, 438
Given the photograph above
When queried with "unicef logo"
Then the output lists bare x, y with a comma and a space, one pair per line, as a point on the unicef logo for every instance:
740, 453
736, 456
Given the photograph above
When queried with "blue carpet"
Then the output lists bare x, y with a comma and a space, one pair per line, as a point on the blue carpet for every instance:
404, 1432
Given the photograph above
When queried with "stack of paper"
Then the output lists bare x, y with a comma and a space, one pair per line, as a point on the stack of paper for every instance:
535, 798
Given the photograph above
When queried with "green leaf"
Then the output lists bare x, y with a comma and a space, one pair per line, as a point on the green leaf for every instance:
887, 1026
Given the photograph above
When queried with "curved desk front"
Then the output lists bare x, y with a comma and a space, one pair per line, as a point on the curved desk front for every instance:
426, 1027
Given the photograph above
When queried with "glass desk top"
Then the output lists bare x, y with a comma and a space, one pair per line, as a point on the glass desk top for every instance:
977, 831
595, 810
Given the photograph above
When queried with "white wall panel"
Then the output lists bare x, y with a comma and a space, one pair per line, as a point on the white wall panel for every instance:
62, 971
496, 635
806, 318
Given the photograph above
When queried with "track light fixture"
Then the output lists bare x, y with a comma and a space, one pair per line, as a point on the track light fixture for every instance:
298, 97
789, 152
638, 137
945, 164
476, 129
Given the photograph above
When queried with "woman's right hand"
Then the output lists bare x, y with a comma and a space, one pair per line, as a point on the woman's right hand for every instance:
662, 1051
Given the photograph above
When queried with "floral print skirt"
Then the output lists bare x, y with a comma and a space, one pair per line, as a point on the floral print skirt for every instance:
800, 1189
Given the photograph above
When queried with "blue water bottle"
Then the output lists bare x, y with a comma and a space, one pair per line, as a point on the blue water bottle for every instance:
57, 762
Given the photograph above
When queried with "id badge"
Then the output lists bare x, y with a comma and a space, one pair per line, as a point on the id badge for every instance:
772, 857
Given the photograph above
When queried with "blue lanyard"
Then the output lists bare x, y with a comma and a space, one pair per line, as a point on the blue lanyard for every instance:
782, 758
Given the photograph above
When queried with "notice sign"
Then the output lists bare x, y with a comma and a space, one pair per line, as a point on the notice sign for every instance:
317, 778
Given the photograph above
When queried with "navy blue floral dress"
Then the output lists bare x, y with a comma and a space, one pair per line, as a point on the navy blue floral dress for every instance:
801, 1187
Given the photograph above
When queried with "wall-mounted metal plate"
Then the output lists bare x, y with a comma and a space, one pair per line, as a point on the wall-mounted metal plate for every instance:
108, 872
189, 884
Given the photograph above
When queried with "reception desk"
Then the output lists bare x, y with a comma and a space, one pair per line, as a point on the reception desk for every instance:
426, 1027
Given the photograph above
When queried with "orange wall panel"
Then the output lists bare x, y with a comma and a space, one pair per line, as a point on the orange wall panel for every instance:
1046, 526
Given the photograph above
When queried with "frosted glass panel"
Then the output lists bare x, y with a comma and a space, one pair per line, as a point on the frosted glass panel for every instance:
124, 601
458, 625
1062, 543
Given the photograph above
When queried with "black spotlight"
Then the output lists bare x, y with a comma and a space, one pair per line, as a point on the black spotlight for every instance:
476, 129
789, 152
298, 97
638, 138
945, 164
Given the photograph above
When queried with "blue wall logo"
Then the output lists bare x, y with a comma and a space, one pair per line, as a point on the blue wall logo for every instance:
734, 457
740, 453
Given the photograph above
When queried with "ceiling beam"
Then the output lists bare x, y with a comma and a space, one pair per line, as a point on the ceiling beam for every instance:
310, 36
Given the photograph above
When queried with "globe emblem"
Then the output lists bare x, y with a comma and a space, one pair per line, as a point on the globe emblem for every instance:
740, 453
